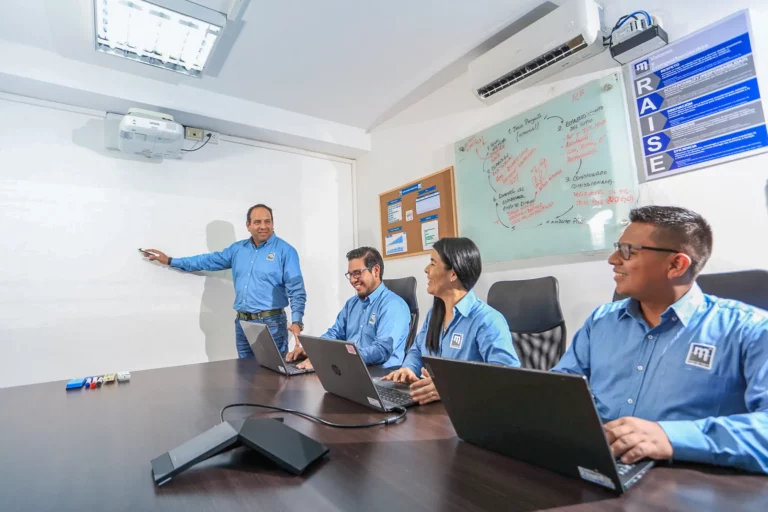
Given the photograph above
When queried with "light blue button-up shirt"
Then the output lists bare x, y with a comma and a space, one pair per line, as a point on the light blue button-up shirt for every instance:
702, 374
265, 276
378, 325
477, 332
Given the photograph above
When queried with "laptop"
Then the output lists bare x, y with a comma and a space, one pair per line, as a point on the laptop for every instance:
547, 419
266, 351
343, 372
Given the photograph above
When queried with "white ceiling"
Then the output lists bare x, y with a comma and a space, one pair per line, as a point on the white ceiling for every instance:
347, 61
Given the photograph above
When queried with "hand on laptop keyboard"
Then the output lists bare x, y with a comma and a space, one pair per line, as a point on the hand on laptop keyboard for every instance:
633, 439
305, 365
403, 375
424, 390
297, 354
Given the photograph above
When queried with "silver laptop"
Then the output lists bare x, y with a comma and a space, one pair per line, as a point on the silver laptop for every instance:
266, 351
343, 372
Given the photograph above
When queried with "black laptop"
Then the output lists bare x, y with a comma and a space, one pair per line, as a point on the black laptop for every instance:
343, 372
266, 351
544, 418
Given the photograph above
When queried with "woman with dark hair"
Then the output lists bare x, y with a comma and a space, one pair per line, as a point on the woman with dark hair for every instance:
459, 325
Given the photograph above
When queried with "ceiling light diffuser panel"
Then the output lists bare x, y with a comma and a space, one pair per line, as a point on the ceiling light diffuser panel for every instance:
179, 39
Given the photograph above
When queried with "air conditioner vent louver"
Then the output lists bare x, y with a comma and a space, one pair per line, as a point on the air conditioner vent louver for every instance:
534, 66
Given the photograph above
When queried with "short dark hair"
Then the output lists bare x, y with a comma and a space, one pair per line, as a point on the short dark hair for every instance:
371, 257
680, 229
248, 216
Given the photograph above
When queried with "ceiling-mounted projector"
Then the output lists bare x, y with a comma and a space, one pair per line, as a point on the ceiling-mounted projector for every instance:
150, 134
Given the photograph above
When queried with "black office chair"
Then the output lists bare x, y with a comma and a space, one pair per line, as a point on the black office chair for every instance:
748, 286
405, 287
532, 310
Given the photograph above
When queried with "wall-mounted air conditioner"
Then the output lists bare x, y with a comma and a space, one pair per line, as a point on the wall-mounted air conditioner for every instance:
568, 35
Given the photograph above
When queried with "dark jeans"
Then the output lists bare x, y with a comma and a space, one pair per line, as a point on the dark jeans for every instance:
278, 327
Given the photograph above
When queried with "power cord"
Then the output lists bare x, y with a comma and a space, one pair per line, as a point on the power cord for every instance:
201, 147
608, 41
401, 410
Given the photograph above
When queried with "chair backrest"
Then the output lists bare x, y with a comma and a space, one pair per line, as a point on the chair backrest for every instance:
532, 310
405, 287
748, 286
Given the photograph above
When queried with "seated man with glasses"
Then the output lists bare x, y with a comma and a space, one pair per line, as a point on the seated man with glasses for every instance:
682, 375
376, 319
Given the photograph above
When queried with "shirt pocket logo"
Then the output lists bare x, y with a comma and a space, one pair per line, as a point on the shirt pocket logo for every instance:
372, 320
701, 355
456, 340
271, 256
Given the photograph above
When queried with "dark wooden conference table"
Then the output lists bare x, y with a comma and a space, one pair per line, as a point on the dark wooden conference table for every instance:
90, 450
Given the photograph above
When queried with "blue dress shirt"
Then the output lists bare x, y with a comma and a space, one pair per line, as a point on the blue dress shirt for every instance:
378, 325
265, 276
477, 332
702, 374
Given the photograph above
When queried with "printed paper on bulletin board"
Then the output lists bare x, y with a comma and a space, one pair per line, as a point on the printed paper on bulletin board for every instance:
415, 215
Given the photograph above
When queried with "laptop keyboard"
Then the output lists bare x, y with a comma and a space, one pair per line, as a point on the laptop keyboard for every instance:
395, 396
624, 469
292, 369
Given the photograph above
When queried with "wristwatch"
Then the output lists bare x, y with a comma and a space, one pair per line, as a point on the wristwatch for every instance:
300, 324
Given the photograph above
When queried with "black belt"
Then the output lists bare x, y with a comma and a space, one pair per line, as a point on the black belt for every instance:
261, 315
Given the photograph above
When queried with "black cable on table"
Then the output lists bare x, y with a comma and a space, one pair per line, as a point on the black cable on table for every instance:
401, 410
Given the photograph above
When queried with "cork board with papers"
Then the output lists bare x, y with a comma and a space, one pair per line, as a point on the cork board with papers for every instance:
416, 215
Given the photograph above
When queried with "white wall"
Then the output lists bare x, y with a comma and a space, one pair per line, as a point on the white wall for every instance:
77, 299
419, 141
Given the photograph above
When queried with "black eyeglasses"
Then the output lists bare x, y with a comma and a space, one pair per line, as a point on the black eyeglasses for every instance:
625, 250
356, 273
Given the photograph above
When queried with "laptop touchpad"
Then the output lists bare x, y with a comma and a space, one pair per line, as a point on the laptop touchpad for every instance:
391, 385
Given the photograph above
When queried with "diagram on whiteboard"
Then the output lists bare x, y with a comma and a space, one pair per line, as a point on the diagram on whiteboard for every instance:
557, 179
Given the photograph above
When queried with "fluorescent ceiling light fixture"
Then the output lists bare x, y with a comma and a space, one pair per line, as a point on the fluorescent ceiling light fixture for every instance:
173, 34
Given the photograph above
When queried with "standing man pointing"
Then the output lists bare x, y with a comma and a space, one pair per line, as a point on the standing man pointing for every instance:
266, 273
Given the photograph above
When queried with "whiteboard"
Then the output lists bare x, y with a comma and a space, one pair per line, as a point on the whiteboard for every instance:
77, 297
557, 179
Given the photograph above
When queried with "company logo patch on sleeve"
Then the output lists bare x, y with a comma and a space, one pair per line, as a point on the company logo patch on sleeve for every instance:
271, 256
457, 340
701, 355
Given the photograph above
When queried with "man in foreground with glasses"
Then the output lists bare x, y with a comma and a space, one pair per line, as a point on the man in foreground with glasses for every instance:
376, 319
683, 375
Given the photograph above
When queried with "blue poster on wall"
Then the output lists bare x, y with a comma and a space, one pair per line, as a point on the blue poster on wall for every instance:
697, 101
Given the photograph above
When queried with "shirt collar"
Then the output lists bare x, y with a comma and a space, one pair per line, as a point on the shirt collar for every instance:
688, 304
265, 242
465, 305
684, 308
375, 293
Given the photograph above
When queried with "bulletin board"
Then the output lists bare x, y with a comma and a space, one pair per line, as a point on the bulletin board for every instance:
418, 214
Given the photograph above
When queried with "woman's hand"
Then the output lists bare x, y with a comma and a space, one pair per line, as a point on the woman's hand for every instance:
403, 376
423, 390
